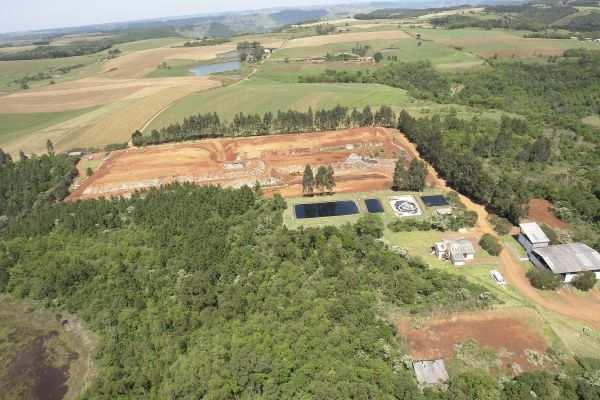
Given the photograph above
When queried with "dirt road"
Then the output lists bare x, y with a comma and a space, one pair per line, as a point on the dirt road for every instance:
582, 308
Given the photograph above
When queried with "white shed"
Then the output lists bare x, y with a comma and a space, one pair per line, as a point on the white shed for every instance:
532, 236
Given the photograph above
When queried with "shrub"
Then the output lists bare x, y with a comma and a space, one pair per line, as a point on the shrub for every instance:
543, 280
585, 281
410, 224
490, 244
369, 225
501, 225
470, 218
550, 233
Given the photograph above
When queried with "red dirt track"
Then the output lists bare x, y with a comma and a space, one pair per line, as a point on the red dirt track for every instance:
276, 161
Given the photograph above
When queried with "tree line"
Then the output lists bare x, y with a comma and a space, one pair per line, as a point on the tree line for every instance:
210, 125
32, 182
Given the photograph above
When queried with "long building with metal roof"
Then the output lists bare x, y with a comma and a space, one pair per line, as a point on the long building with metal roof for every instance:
567, 259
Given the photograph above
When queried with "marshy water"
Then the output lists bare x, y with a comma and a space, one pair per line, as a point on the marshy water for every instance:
207, 69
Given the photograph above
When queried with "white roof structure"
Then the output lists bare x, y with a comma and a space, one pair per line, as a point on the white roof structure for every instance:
462, 246
430, 372
569, 258
534, 233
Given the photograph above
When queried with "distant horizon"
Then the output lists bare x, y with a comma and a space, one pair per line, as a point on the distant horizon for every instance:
36, 15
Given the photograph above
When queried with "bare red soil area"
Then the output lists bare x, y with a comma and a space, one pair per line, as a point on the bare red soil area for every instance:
540, 210
363, 159
509, 334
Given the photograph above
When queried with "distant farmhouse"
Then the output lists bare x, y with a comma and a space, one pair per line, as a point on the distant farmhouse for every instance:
566, 260
457, 251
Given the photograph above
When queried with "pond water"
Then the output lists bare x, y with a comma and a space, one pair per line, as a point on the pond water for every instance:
207, 69
327, 209
374, 206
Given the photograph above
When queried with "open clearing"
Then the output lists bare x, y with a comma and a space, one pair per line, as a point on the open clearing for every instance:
511, 334
540, 210
592, 120
276, 161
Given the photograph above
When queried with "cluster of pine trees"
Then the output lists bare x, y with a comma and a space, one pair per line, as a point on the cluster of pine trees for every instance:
411, 178
323, 180
210, 125
32, 182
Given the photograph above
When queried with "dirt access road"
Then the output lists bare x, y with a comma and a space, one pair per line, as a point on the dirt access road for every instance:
581, 308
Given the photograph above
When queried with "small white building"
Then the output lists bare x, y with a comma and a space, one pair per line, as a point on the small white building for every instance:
532, 236
443, 211
430, 372
459, 252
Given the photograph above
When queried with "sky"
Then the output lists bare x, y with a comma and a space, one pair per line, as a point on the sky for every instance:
25, 15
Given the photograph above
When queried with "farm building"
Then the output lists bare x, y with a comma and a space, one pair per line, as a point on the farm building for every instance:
457, 251
532, 236
567, 260
430, 372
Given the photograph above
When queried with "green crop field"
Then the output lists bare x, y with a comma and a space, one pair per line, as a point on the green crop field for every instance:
503, 43
13, 126
261, 95
290, 72
14, 70
175, 68
407, 50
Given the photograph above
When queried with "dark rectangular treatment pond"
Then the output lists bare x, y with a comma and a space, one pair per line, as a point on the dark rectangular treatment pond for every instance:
374, 206
434, 201
326, 209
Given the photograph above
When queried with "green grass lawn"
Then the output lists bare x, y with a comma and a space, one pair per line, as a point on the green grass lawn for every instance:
15, 125
383, 196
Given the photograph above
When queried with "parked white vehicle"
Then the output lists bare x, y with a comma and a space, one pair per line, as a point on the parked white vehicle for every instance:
497, 276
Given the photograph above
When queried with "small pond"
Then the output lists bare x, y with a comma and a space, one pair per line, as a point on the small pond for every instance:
207, 69
374, 206
327, 209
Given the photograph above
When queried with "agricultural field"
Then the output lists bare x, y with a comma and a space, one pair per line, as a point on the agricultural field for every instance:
275, 161
102, 111
501, 43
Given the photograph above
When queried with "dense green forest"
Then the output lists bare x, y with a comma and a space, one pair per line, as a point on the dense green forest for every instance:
202, 293
32, 182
